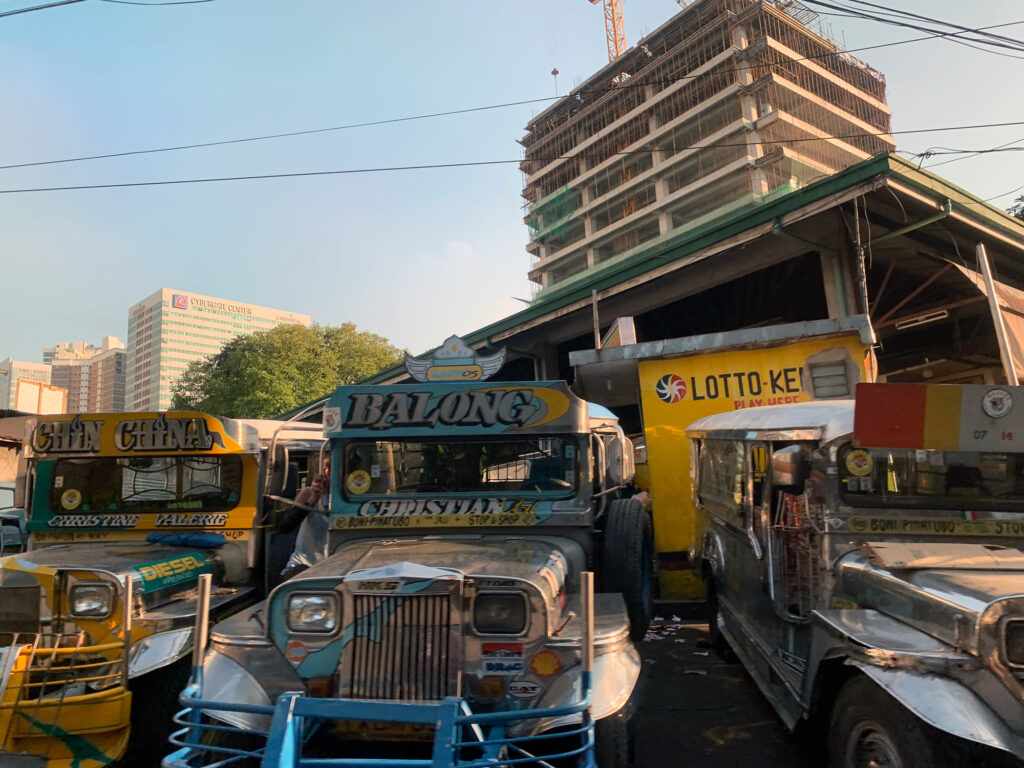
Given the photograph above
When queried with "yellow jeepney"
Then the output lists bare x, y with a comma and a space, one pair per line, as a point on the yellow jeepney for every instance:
677, 381
124, 512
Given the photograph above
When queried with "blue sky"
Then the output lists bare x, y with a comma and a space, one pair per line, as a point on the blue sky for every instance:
411, 255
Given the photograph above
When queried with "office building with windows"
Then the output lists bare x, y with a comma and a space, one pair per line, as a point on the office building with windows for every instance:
94, 377
27, 387
170, 329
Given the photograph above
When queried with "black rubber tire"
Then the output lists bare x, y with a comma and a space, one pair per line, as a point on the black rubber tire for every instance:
154, 704
868, 727
627, 561
715, 636
611, 742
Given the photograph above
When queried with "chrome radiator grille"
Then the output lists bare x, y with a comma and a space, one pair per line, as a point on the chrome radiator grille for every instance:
402, 647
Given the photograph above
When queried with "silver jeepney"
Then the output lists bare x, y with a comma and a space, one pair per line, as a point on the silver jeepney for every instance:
867, 578
407, 632
465, 520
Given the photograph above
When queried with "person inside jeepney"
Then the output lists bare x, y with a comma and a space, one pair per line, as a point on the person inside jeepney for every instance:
309, 515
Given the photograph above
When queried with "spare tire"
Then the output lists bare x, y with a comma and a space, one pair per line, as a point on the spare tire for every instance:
627, 560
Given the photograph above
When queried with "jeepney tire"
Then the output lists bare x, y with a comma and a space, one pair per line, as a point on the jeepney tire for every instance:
715, 637
154, 704
612, 747
627, 561
868, 727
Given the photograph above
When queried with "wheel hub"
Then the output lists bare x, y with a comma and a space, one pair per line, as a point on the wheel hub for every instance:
870, 746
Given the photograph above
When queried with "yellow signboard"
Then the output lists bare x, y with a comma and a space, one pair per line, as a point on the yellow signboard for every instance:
676, 392
114, 434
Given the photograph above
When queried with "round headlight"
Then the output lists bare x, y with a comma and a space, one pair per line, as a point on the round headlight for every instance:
313, 612
91, 601
499, 613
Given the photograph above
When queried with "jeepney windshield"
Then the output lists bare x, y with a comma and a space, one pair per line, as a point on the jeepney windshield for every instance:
921, 478
545, 466
146, 484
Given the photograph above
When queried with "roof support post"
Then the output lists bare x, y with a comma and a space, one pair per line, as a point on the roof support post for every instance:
997, 316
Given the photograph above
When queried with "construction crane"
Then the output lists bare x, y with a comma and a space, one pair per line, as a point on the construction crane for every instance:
614, 27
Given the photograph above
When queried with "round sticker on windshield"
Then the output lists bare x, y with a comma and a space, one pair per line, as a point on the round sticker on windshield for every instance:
70, 499
858, 462
358, 481
996, 403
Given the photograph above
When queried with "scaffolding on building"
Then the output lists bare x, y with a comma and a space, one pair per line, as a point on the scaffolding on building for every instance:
729, 103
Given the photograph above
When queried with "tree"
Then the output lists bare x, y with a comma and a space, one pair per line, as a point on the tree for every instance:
1017, 209
270, 372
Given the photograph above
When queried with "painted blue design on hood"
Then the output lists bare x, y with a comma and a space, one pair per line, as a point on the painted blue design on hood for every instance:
325, 661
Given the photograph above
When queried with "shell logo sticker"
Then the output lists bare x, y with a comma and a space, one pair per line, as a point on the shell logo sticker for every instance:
358, 481
859, 462
670, 388
546, 664
295, 652
71, 498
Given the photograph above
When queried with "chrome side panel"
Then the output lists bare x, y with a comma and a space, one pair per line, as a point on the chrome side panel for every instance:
873, 634
761, 662
947, 705
616, 671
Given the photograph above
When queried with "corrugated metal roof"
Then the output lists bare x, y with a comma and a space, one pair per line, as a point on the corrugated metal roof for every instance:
869, 174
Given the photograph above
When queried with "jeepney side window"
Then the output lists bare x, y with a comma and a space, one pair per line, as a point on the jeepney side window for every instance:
758, 462
721, 478
928, 478
146, 483
147, 479
759, 453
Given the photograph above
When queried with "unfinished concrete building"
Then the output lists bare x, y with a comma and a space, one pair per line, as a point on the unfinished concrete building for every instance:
729, 104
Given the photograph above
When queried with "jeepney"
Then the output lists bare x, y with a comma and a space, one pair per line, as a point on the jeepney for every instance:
864, 561
463, 519
124, 512
673, 382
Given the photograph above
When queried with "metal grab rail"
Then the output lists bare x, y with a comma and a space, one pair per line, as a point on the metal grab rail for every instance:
458, 730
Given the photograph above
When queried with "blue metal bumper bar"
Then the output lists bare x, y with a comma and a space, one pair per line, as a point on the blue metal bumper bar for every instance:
462, 739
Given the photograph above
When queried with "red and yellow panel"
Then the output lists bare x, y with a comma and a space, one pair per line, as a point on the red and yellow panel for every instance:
940, 417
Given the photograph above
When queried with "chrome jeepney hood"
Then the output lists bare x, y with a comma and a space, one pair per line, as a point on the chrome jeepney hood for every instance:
401, 600
541, 560
952, 602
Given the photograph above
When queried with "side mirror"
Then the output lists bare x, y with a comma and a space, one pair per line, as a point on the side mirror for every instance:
790, 468
279, 471
620, 460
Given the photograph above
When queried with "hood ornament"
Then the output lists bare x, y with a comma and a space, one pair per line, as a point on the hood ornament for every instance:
454, 361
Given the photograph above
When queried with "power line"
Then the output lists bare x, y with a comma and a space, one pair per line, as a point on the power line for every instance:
924, 155
447, 113
39, 7
120, 2
978, 30
287, 134
383, 169
173, 2
956, 30
990, 150
478, 163
1004, 194
954, 36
